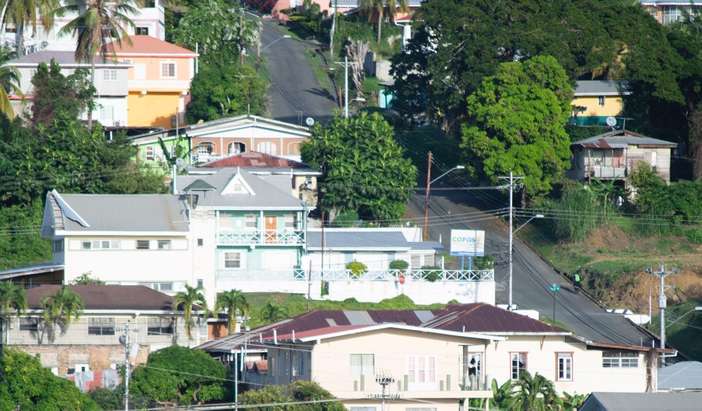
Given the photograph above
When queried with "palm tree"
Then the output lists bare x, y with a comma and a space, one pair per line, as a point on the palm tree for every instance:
533, 393
60, 310
272, 312
12, 299
23, 13
233, 302
380, 7
186, 300
9, 83
98, 23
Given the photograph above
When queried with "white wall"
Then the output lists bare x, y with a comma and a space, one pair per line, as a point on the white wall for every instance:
204, 257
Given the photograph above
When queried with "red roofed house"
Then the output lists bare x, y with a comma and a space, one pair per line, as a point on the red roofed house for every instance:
434, 358
159, 80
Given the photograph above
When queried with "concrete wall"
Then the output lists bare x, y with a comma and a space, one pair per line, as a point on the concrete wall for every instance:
613, 106
154, 109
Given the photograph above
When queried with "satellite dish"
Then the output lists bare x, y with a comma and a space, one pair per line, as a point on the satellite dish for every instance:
611, 121
309, 121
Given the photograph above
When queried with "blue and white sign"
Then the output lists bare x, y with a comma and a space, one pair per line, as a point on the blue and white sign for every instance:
468, 243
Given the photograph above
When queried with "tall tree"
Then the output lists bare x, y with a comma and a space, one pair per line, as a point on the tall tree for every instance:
59, 311
186, 301
363, 167
97, 24
234, 303
379, 8
9, 83
27, 13
272, 312
54, 93
516, 122
13, 300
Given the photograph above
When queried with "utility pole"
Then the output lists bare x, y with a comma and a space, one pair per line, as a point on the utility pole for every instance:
511, 181
425, 233
346, 87
662, 303
332, 31
124, 339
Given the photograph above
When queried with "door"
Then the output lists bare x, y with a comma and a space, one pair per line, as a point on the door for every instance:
472, 369
271, 224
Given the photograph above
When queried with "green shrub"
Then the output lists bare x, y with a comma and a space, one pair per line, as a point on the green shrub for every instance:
694, 235
399, 265
434, 274
484, 263
357, 268
346, 218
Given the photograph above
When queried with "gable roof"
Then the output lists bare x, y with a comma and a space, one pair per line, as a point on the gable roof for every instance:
114, 212
199, 185
254, 159
685, 375
621, 139
107, 297
344, 331
271, 191
480, 317
146, 45
642, 401
584, 88
246, 121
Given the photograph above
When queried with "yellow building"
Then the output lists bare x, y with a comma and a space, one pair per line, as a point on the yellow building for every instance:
159, 80
595, 100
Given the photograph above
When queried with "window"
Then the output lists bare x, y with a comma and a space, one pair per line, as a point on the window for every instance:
362, 364
200, 242
429, 260
142, 31
99, 244
159, 326
416, 261
289, 221
232, 259
150, 155
57, 246
620, 359
565, 366
518, 364
267, 147
166, 287
85, 245
29, 324
601, 101
168, 70
109, 75
101, 326
671, 14
204, 149
143, 244
200, 283
107, 114
362, 408
421, 370
236, 148
250, 221
164, 244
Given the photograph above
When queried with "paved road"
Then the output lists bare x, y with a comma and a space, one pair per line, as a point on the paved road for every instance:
295, 93
531, 274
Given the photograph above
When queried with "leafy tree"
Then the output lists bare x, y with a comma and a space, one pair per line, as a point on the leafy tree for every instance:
97, 24
18, 246
298, 391
533, 393
516, 122
272, 312
29, 386
9, 83
378, 8
186, 301
24, 14
13, 299
363, 167
180, 376
224, 89
220, 29
233, 302
55, 93
59, 311
86, 279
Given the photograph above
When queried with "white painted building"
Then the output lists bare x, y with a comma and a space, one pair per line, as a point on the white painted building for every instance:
149, 20
110, 81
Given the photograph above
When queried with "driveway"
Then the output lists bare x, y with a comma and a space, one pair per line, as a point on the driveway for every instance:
295, 93
531, 274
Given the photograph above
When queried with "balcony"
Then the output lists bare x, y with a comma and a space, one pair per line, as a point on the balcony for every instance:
605, 172
265, 237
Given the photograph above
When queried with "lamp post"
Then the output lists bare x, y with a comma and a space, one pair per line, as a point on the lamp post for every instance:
511, 237
427, 193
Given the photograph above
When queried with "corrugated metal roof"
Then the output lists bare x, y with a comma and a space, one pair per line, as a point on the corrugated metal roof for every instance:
254, 159
63, 58
365, 239
642, 401
685, 375
600, 88
107, 297
359, 317
621, 139
486, 318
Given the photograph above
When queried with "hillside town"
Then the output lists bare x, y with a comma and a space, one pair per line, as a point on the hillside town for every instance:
362, 205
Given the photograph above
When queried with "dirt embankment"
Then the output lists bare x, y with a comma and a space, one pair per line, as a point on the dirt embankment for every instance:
632, 290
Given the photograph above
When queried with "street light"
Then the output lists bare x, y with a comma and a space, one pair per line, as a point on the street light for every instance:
511, 235
425, 234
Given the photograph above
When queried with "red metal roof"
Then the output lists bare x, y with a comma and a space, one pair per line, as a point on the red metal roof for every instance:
486, 318
254, 159
147, 45
107, 297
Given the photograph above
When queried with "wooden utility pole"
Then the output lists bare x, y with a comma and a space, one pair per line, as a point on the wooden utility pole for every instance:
427, 192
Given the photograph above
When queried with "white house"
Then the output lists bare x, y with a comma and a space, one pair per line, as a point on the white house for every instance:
110, 81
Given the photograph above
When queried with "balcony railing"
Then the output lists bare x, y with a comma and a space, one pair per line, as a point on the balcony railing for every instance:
605, 172
475, 382
265, 237
437, 275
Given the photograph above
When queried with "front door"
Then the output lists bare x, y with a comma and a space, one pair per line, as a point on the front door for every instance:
271, 223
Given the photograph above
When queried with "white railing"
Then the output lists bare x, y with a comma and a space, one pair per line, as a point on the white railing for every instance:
437, 275
285, 237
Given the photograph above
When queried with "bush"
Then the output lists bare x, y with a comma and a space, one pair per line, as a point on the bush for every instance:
694, 236
434, 274
357, 268
346, 218
399, 265
484, 263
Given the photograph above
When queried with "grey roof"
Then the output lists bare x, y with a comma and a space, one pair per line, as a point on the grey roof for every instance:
271, 191
600, 88
426, 245
621, 139
118, 212
30, 270
61, 57
685, 375
199, 185
644, 401
360, 239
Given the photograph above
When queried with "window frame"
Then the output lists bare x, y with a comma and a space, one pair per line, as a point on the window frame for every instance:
104, 326
164, 245
240, 260
363, 366
141, 242
109, 74
175, 69
150, 153
421, 369
569, 367
33, 327
151, 327
620, 359
511, 364
137, 30
601, 101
